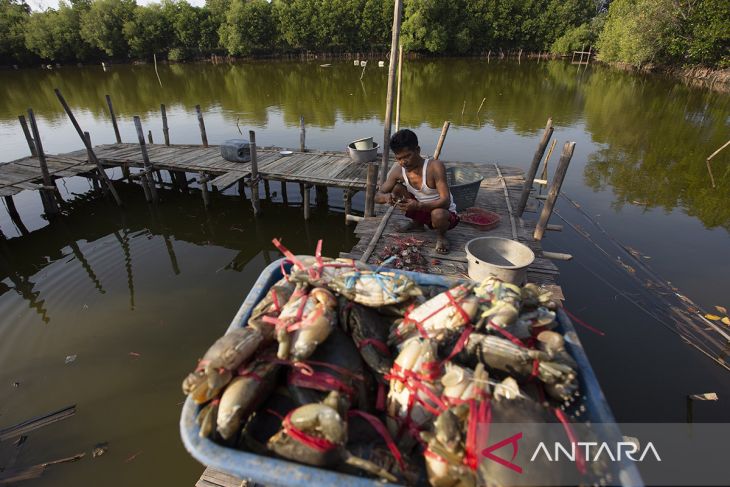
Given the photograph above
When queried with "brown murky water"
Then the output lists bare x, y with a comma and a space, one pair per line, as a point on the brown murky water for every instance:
136, 295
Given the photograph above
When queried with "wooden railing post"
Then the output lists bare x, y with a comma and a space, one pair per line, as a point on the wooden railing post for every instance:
255, 203
302, 134
370, 186
555, 186
530, 176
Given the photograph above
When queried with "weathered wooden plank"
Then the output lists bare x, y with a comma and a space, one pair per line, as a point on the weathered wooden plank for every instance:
228, 179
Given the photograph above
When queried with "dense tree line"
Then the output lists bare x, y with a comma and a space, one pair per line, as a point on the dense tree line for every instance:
634, 31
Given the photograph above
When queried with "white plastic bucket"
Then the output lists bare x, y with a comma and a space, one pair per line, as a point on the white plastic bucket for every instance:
502, 258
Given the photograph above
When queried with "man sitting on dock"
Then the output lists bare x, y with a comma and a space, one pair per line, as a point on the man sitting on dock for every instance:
419, 187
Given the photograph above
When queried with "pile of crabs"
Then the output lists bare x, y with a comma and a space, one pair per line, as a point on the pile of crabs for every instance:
363, 371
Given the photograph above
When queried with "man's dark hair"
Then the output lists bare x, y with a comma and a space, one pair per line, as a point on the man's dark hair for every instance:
403, 139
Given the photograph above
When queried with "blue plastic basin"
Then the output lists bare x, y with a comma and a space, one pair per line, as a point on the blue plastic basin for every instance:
277, 472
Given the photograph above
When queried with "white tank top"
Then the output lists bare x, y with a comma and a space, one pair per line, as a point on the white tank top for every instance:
425, 194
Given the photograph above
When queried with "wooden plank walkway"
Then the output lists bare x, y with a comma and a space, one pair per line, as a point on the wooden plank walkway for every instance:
498, 181
316, 168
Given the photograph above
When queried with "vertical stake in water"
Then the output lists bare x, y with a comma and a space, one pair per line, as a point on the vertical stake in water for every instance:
255, 204
151, 192
50, 206
555, 186
165, 129
530, 177
397, 10
89, 148
114, 119
302, 135
201, 123
28, 137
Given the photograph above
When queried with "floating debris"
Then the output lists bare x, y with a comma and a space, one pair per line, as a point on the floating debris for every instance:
70, 358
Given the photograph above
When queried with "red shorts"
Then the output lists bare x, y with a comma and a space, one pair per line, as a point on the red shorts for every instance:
424, 216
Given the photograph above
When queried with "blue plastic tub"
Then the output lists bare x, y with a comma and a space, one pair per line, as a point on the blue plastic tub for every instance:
278, 472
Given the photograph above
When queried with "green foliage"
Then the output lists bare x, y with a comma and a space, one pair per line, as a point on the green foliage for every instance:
248, 27
102, 26
632, 31
148, 32
14, 16
667, 31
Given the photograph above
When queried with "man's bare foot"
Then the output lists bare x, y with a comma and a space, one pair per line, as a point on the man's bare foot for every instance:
412, 226
442, 244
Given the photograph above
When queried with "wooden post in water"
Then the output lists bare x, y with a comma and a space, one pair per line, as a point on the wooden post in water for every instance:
89, 148
147, 175
442, 138
555, 186
284, 195
302, 134
267, 189
530, 177
371, 181
397, 91
149, 136
394, 41
254, 174
305, 202
15, 216
203, 180
114, 119
165, 128
201, 123
547, 158
347, 197
90, 158
322, 196
48, 197
28, 137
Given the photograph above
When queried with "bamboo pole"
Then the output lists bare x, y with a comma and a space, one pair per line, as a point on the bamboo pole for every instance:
547, 133
28, 137
442, 138
165, 128
397, 91
201, 124
48, 197
376, 236
147, 175
397, 9
255, 204
372, 179
302, 135
114, 119
547, 158
709, 168
555, 186
15, 216
203, 180
347, 197
89, 148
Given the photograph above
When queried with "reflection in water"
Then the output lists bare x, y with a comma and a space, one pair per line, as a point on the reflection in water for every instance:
651, 134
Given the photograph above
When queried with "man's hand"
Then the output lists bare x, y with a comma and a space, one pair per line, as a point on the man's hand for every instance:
409, 205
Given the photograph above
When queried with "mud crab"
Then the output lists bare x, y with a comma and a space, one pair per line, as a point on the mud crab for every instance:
316, 434
305, 321
375, 289
447, 311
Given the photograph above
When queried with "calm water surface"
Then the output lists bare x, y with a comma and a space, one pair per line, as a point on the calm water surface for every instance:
137, 295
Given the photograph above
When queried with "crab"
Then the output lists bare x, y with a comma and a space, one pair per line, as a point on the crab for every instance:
316, 434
